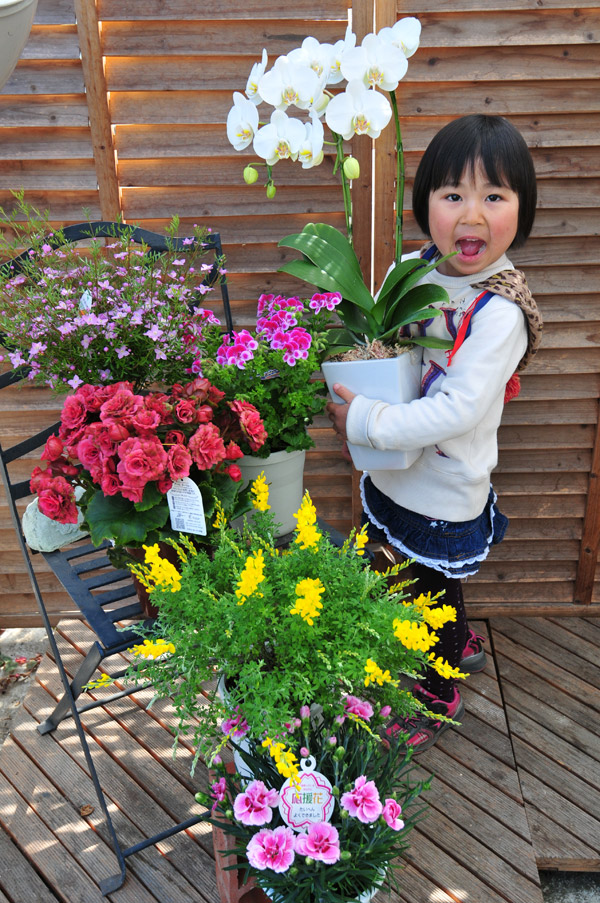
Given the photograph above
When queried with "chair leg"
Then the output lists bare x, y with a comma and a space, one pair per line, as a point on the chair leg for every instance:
82, 677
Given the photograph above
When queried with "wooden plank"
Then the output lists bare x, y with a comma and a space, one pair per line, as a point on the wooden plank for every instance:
483, 27
46, 77
228, 9
52, 42
590, 541
45, 144
97, 102
18, 872
416, 7
54, 12
72, 175
551, 684
69, 110
497, 98
213, 37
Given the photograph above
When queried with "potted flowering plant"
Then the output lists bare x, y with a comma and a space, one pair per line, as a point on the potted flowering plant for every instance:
273, 366
303, 78
359, 791
99, 315
309, 645
131, 456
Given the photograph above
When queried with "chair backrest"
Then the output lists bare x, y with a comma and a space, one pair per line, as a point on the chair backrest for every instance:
156, 242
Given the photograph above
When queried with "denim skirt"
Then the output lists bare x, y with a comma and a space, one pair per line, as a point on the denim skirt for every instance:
456, 548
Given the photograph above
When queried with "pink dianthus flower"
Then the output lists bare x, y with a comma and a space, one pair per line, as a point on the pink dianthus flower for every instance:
255, 805
321, 842
271, 849
362, 802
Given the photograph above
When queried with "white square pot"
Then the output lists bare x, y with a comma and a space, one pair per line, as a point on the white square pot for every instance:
394, 380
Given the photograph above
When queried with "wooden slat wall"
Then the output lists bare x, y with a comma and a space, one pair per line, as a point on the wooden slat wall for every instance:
148, 138
536, 63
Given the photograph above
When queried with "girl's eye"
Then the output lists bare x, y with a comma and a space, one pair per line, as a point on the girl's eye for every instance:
453, 196
494, 197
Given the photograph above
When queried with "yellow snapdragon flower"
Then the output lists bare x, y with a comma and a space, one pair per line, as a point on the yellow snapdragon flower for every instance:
153, 648
308, 603
443, 668
375, 675
251, 577
414, 635
260, 493
307, 534
285, 760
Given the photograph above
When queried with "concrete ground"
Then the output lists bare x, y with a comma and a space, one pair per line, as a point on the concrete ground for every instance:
27, 643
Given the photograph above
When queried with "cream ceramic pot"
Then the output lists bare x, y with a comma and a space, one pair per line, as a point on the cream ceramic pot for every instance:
16, 19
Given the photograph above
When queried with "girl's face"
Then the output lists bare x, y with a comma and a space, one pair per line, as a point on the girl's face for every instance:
474, 218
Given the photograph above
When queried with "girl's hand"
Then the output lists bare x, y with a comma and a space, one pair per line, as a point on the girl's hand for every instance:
338, 413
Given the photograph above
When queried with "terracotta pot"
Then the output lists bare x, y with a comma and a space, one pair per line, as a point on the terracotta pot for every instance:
145, 598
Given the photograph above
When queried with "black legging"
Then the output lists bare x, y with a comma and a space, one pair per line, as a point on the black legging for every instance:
452, 637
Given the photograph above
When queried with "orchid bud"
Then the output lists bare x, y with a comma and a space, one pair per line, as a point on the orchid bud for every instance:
250, 175
271, 190
351, 168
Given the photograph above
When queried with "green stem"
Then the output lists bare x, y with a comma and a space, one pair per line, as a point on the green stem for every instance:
399, 182
339, 161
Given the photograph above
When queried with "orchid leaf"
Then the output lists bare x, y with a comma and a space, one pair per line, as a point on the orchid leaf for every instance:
338, 240
308, 272
334, 263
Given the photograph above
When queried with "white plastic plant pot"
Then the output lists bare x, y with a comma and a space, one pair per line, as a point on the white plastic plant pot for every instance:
394, 380
16, 19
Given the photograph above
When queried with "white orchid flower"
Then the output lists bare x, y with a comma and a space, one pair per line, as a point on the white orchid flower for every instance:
256, 73
314, 55
281, 139
358, 111
378, 63
242, 121
405, 34
289, 83
311, 149
339, 49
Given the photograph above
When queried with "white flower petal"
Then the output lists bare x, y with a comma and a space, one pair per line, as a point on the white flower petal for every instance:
256, 73
242, 122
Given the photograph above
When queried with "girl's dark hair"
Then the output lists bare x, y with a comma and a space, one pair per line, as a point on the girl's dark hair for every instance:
460, 145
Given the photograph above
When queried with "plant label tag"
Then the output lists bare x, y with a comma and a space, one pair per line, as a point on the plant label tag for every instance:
307, 800
186, 507
85, 302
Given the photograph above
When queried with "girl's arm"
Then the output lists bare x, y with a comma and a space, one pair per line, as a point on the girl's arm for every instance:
472, 385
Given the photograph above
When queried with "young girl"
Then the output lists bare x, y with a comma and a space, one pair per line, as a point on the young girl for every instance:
474, 195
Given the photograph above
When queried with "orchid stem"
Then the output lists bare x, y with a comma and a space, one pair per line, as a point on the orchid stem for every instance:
345, 186
399, 182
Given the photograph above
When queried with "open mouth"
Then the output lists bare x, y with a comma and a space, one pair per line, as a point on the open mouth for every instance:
470, 248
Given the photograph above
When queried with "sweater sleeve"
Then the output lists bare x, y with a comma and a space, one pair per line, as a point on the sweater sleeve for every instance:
477, 376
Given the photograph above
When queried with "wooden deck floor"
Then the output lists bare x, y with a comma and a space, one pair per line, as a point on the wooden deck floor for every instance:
517, 788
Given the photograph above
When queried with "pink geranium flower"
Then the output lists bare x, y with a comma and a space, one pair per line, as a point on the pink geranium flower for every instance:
391, 813
362, 802
321, 842
358, 707
271, 849
255, 805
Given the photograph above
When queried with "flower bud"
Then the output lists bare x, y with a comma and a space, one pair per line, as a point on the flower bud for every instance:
344, 814
304, 752
229, 814
339, 754
345, 855
386, 710
351, 168
271, 190
305, 712
336, 792
293, 872
250, 175
332, 741
203, 799
309, 860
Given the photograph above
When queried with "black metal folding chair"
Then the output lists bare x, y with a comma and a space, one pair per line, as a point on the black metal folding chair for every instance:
104, 595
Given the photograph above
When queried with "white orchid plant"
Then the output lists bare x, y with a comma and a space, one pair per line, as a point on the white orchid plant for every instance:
303, 79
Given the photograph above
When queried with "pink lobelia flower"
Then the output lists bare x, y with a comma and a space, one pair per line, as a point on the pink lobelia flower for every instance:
255, 805
391, 813
356, 706
362, 802
321, 842
271, 849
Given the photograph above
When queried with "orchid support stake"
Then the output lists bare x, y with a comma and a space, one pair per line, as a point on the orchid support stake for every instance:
399, 182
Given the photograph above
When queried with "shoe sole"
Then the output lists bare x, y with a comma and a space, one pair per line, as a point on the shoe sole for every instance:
473, 663
427, 744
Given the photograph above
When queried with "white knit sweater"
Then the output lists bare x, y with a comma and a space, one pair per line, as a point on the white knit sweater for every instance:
456, 421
